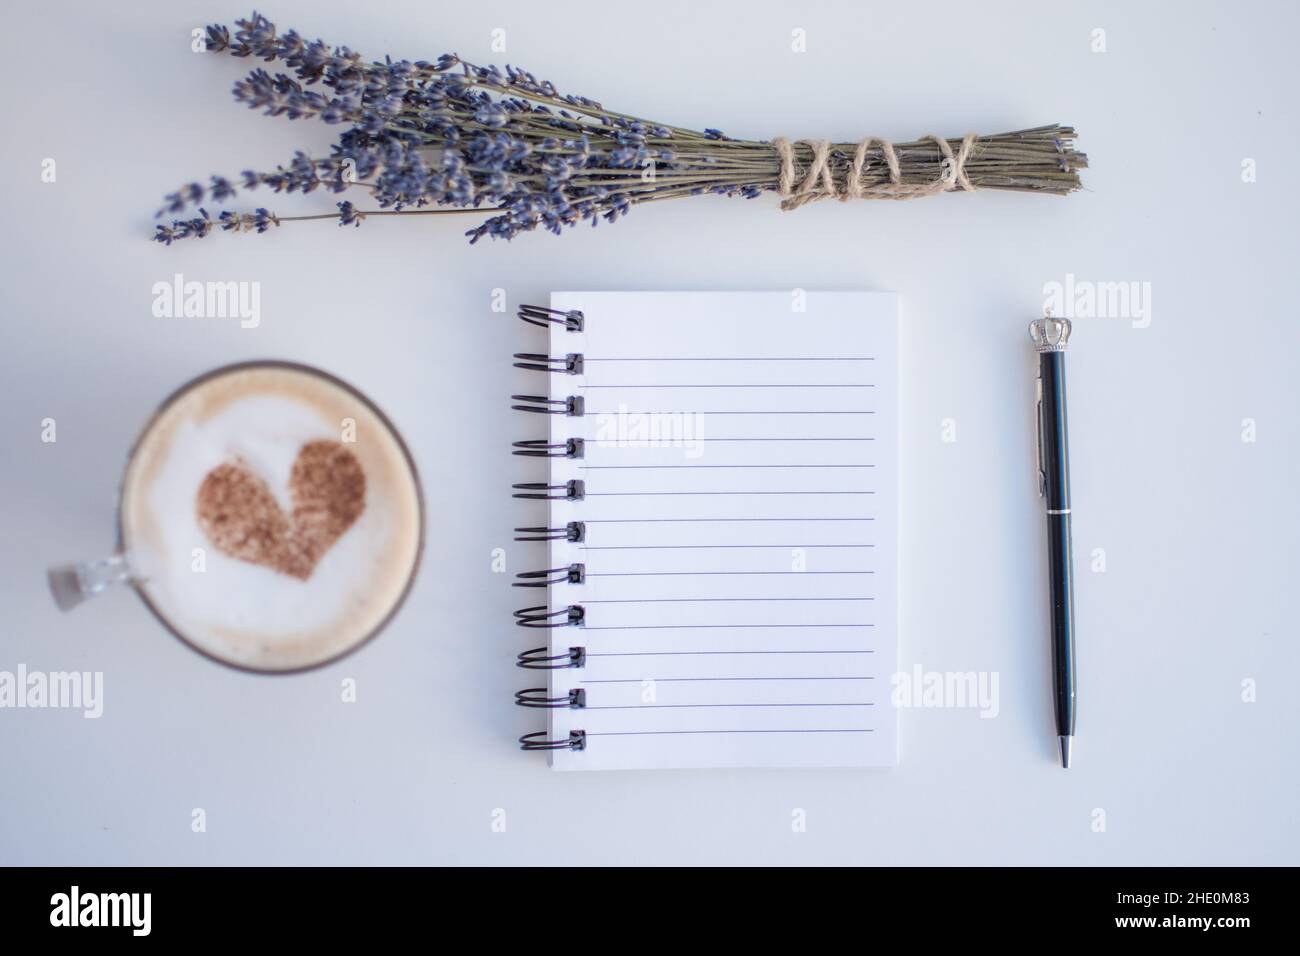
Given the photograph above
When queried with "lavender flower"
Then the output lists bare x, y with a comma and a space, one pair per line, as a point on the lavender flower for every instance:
196, 228
348, 215
448, 137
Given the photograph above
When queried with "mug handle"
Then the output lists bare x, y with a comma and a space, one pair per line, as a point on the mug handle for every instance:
71, 584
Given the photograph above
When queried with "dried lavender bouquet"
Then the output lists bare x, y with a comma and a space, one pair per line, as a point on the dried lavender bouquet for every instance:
449, 137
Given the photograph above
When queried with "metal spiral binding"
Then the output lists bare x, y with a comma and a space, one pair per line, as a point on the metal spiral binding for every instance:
577, 740
542, 316
573, 406
573, 532
541, 616
571, 364
574, 490
539, 659
573, 574
575, 699
540, 448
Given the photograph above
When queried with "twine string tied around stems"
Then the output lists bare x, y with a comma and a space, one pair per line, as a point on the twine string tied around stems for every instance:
818, 180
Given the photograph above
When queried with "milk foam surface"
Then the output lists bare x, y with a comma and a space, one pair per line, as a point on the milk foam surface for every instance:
249, 614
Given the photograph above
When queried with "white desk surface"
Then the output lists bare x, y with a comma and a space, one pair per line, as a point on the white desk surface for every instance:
1198, 527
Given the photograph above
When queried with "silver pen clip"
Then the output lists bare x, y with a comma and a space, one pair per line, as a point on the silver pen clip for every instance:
1038, 430
1049, 334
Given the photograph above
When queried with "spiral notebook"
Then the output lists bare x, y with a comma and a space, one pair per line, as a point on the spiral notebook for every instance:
722, 501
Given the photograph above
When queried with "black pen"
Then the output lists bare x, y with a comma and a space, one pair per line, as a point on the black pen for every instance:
1050, 337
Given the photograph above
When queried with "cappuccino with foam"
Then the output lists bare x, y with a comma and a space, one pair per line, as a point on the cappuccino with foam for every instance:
271, 516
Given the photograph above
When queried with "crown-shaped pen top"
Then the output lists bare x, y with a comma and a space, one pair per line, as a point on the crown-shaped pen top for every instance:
1050, 334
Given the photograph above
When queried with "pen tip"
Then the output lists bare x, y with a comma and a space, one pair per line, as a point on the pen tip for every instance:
1065, 751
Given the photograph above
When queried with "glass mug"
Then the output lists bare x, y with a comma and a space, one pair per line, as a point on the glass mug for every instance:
270, 516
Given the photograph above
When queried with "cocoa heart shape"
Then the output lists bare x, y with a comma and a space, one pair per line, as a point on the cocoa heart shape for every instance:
242, 519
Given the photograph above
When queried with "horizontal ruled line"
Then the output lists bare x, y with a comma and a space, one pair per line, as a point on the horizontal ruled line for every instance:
692, 548
745, 412
738, 358
741, 385
683, 680
653, 733
648, 494
722, 600
674, 627
711, 627
718, 653
689, 520
694, 706
658, 467
692, 574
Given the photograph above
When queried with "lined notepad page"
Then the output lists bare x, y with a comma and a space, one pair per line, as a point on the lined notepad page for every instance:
740, 468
